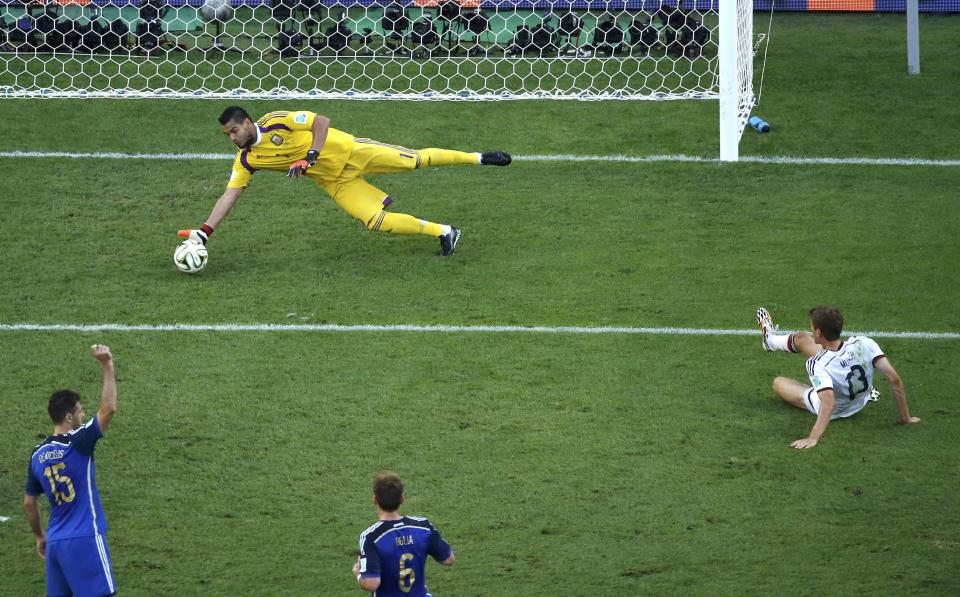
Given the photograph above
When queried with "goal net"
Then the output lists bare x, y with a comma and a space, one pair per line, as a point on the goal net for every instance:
373, 49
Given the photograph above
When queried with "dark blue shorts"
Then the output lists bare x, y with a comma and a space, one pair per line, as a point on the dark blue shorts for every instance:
79, 566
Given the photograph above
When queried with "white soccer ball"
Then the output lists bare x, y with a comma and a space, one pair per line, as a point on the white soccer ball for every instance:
190, 256
216, 10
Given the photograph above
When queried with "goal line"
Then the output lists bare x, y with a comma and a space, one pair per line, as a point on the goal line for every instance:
108, 155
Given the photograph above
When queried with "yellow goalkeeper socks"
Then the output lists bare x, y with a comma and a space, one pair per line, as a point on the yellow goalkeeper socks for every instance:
431, 229
446, 157
403, 224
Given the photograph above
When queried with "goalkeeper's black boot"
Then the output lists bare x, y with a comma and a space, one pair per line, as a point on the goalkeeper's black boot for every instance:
495, 158
448, 242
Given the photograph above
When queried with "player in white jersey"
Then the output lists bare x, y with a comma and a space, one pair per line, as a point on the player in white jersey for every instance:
841, 372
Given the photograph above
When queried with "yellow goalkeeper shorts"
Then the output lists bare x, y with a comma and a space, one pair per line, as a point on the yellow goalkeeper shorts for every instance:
355, 195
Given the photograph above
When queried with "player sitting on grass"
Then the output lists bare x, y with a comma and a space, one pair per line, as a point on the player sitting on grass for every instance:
304, 144
841, 371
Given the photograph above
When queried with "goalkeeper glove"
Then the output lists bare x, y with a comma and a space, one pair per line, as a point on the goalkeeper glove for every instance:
201, 235
299, 168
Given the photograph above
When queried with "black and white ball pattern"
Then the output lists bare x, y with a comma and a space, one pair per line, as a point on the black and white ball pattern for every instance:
190, 256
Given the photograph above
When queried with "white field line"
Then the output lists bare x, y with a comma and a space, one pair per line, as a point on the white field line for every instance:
524, 158
449, 329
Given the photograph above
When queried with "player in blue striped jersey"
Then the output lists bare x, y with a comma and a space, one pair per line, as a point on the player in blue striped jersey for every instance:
62, 467
840, 371
394, 550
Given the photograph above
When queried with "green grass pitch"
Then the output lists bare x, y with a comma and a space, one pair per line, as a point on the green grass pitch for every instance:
556, 464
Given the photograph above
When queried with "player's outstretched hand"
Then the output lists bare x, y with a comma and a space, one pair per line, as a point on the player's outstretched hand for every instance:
200, 236
101, 353
803, 444
910, 421
195, 235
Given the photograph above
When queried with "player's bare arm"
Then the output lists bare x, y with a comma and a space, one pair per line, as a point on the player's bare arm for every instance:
827, 404
223, 206
884, 366
108, 392
32, 509
449, 561
220, 210
321, 125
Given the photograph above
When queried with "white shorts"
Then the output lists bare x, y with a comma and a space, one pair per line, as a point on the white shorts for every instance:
811, 399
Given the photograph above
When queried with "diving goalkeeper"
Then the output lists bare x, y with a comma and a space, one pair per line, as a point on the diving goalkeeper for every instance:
303, 144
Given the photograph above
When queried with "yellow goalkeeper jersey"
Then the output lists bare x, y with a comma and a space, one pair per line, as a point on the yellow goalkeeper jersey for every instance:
282, 139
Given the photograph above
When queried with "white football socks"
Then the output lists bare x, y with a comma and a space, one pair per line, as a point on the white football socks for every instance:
782, 342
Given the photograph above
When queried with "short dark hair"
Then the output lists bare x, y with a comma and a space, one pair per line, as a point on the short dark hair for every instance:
61, 404
828, 320
234, 114
388, 489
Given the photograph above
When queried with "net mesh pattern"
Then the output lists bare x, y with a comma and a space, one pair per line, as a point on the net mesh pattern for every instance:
362, 49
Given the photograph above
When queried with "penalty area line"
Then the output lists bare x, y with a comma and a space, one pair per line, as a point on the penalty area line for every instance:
450, 329
775, 160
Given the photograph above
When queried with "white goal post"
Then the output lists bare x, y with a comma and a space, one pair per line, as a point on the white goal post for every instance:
385, 49
736, 74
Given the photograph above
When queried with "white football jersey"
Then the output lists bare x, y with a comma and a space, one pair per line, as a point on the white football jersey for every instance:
848, 371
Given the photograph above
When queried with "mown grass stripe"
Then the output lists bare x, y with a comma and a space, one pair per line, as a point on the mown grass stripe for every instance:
506, 329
